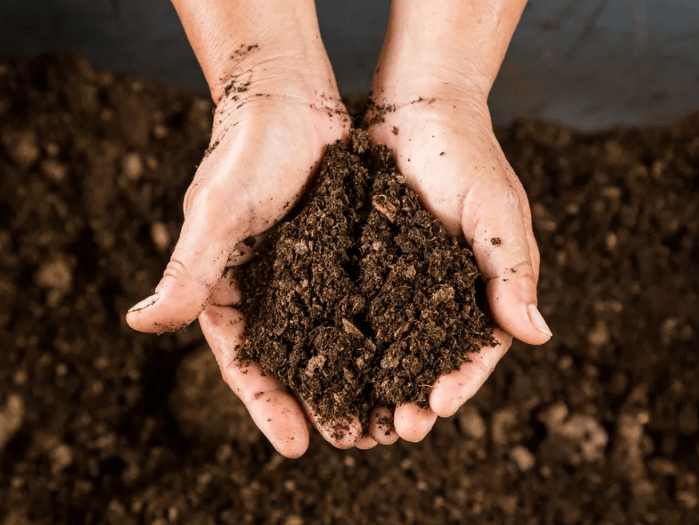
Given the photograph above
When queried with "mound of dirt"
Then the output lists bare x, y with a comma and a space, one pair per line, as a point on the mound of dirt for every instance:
100, 425
362, 299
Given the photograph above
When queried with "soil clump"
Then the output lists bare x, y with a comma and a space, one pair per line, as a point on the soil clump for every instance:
362, 298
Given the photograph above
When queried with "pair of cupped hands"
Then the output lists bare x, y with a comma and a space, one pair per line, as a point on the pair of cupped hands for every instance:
274, 117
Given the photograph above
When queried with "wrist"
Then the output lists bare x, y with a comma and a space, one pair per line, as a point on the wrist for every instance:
238, 41
441, 90
402, 86
273, 69
445, 48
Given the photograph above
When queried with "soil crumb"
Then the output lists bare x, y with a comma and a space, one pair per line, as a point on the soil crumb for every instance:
376, 113
362, 299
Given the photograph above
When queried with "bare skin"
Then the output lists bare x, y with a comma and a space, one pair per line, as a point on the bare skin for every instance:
274, 89
437, 66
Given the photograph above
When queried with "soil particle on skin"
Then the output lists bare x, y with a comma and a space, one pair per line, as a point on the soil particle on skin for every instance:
376, 113
244, 49
386, 424
236, 86
363, 298
212, 148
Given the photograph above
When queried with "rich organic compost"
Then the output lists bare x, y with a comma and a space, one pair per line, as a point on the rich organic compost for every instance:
362, 298
100, 425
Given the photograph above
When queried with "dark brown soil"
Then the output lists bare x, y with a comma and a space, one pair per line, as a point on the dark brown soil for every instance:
101, 425
362, 299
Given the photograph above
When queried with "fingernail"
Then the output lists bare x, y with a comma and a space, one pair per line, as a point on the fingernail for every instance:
147, 302
538, 320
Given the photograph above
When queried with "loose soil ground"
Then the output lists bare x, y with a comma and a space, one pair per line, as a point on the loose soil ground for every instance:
101, 425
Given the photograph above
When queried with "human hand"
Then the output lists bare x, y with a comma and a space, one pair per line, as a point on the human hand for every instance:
442, 139
270, 132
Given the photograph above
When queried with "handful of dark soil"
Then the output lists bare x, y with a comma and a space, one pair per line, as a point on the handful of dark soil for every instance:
362, 298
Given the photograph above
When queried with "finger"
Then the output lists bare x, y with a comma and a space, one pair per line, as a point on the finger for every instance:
342, 434
381, 426
454, 389
275, 412
366, 443
210, 232
498, 230
414, 423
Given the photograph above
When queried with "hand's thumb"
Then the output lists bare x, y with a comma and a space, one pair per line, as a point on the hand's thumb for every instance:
501, 239
197, 263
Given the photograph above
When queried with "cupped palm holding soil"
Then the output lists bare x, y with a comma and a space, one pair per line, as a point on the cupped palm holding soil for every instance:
278, 107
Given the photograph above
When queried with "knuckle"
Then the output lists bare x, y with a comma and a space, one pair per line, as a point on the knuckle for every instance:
176, 269
486, 370
228, 378
192, 193
204, 193
200, 195
227, 366
522, 269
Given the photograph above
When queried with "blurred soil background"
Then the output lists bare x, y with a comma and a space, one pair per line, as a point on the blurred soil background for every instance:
101, 425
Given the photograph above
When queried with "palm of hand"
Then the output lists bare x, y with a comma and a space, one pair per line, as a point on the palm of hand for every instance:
264, 149
450, 157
